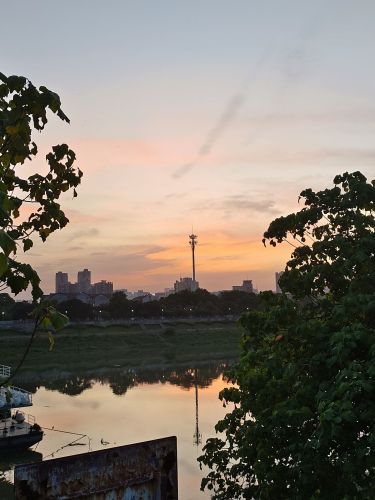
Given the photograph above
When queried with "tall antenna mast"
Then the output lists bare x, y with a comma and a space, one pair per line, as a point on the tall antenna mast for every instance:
197, 434
193, 241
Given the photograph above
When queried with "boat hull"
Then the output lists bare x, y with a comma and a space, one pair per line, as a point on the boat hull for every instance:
20, 442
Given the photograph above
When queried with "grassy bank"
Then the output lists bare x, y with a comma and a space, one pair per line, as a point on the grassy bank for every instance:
91, 347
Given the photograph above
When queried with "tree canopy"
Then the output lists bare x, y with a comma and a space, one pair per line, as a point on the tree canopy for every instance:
303, 418
23, 112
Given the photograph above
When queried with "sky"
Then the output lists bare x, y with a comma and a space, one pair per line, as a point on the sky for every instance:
206, 115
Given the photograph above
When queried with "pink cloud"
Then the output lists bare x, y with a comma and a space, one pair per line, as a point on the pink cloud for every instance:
97, 154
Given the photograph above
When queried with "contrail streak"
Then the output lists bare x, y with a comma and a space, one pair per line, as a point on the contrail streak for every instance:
237, 101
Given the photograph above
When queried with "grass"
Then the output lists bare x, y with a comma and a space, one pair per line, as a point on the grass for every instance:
91, 347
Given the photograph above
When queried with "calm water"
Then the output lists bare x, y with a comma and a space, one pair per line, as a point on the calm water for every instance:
122, 407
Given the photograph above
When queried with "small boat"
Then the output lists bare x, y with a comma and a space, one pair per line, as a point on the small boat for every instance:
18, 430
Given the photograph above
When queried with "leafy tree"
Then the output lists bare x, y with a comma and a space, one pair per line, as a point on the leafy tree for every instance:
23, 110
22, 310
119, 306
76, 310
6, 300
150, 309
6, 305
303, 420
236, 301
186, 303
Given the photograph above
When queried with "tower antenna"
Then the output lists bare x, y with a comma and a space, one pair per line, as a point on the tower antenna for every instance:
197, 434
193, 241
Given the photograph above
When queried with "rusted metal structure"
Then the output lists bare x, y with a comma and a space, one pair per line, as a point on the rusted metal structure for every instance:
141, 471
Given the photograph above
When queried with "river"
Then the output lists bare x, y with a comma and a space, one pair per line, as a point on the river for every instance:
117, 407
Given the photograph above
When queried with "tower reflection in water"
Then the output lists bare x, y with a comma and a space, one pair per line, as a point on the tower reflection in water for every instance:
172, 400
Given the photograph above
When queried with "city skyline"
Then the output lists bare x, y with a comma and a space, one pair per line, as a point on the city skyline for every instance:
84, 285
194, 115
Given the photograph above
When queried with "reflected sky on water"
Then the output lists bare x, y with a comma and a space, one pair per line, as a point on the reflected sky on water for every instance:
122, 406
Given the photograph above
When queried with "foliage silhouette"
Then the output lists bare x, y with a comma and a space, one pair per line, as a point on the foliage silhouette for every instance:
302, 423
23, 112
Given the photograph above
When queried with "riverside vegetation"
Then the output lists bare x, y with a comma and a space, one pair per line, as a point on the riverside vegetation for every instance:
89, 347
303, 419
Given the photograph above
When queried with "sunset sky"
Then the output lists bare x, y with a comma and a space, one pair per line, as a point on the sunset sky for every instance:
207, 114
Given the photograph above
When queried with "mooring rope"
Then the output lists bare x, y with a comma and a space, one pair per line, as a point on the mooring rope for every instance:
71, 443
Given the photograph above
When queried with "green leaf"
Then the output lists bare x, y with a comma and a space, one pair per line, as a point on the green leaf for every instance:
27, 244
15, 82
51, 340
17, 284
46, 322
6, 243
3, 264
58, 320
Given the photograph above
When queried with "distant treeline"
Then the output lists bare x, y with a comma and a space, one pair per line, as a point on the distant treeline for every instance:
120, 379
179, 305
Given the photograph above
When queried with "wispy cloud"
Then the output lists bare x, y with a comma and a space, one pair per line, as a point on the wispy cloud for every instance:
77, 217
334, 116
243, 203
98, 154
233, 204
296, 157
85, 233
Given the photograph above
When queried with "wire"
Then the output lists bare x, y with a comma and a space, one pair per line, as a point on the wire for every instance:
80, 436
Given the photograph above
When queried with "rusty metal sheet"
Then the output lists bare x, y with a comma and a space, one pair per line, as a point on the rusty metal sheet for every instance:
140, 471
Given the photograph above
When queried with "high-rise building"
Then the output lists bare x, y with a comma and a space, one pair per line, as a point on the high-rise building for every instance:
84, 281
62, 282
277, 277
247, 286
103, 288
186, 284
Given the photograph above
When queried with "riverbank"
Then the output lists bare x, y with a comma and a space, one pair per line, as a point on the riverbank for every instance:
90, 347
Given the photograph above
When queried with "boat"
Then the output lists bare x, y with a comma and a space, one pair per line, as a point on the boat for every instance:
18, 430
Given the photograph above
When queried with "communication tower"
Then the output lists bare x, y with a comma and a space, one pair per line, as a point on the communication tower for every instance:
193, 241
197, 434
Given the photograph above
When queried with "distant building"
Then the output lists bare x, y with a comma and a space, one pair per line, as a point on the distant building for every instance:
73, 288
186, 284
62, 283
102, 288
82, 290
143, 299
84, 281
138, 293
247, 286
162, 295
277, 277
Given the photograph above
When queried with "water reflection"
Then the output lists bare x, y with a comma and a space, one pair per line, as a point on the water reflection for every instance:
121, 406
121, 380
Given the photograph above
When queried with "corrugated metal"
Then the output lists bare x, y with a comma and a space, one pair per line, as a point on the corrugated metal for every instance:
141, 471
